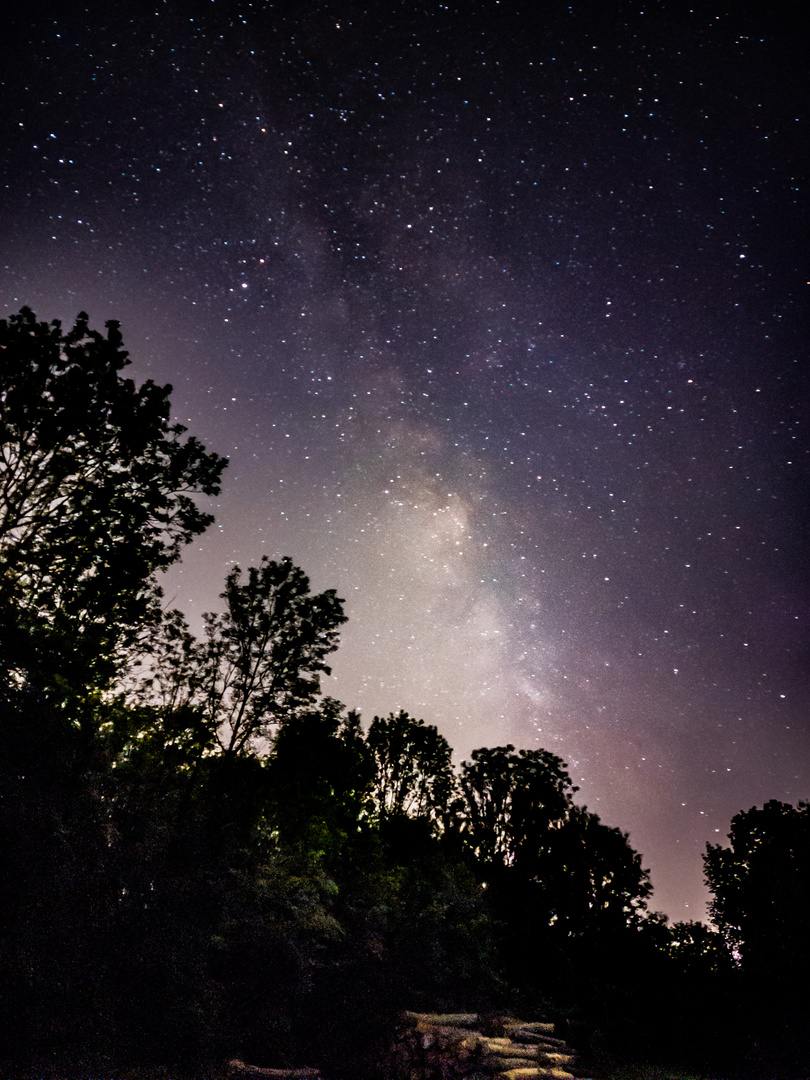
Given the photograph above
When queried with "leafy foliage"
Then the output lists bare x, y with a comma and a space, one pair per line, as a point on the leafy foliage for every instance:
260, 662
761, 884
230, 866
414, 774
599, 880
320, 773
97, 493
563, 890
511, 803
699, 948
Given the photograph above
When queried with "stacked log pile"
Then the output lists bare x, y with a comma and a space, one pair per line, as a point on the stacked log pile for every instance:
462, 1046
456, 1046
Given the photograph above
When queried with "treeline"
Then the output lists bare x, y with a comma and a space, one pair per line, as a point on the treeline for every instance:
204, 857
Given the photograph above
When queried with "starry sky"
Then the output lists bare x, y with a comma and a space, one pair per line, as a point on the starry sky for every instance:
498, 311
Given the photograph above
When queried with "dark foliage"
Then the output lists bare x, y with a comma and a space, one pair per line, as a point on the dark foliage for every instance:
761, 885
414, 777
97, 493
258, 667
207, 859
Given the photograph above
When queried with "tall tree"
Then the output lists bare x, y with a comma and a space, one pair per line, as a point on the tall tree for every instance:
319, 776
261, 660
97, 494
414, 773
761, 885
511, 802
595, 880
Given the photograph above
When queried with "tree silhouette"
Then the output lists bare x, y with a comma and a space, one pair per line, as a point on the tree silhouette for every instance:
260, 662
761, 884
414, 774
97, 493
595, 880
234, 866
511, 802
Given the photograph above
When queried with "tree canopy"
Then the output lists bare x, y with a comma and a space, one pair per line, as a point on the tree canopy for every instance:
414, 773
261, 660
98, 492
761, 884
511, 800
204, 856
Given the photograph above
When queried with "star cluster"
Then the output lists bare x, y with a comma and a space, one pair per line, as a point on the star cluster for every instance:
498, 317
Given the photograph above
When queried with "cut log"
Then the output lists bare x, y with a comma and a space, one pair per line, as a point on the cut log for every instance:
555, 1059
461, 1020
443, 1038
524, 1035
540, 1073
238, 1068
538, 1026
510, 1065
506, 1048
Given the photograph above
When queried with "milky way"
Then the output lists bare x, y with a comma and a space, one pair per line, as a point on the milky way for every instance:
498, 318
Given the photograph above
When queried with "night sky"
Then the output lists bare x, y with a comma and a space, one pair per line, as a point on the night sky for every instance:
498, 311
